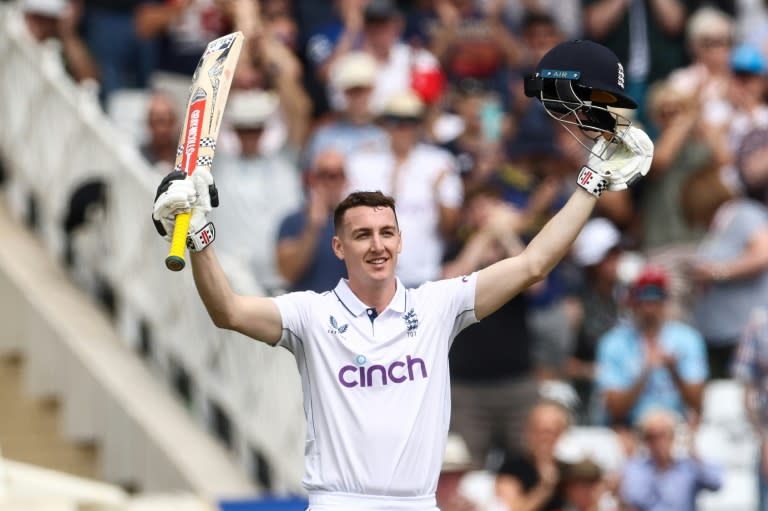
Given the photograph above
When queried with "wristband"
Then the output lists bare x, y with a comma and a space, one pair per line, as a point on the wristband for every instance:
202, 238
591, 181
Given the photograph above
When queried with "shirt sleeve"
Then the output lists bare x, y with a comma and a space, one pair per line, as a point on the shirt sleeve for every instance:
291, 226
458, 296
451, 190
294, 312
637, 489
709, 476
611, 373
692, 364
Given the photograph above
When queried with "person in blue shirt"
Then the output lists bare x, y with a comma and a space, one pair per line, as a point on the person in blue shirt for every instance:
303, 258
650, 361
657, 480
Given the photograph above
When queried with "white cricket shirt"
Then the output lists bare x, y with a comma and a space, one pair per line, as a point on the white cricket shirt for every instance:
376, 387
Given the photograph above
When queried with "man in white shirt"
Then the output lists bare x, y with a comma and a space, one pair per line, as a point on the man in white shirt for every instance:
423, 179
373, 354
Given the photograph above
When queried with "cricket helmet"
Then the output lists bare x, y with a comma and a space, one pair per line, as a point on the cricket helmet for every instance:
576, 82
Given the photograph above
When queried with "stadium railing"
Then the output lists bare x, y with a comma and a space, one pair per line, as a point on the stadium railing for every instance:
56, 143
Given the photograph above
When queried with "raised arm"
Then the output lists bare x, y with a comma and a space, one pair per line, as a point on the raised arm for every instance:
501, 281
629, 160
254, 316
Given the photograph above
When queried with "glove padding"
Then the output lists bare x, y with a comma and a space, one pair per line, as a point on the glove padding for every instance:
179, 193
627, 159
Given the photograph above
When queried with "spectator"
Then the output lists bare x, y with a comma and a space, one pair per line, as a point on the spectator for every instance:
658, 480
565, 13
751, 368
468, 42
492, 381
685, 144
271, 65
650, 361
646, 35
596, 253
58, 19
540, 33
530, 480
303, 256
124, 59
376, 28
709, 36
533, 181
263, 187
424, 181
730, 267
752, 164
456, 463
181, 31
475, 150
163, 129
352, 129
749, 109
583, 487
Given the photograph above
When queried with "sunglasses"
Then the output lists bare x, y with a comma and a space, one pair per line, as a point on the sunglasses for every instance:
715, 42
330, 173
391, 120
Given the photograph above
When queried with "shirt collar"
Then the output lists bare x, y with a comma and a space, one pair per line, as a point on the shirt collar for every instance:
353, 304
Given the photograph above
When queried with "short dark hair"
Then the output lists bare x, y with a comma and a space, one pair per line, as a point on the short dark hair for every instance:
371, 199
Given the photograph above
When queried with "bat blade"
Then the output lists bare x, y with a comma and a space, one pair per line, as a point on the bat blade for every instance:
207, 97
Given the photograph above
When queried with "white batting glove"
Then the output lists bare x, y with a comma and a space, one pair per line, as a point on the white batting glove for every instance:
179, 193
625, 160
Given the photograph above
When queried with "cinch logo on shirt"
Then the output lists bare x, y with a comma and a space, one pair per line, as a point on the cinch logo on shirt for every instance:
378, 375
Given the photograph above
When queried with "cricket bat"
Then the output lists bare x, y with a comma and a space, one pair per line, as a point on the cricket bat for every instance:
205, 107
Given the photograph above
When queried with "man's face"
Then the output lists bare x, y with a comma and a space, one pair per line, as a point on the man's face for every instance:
358, 103
649, 313
545, 426
713, 50
368, 243
403, 133
328, 177
382, 34
162, 122
659, 438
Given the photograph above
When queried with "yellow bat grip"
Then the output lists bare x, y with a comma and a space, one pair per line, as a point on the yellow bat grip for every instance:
175, 259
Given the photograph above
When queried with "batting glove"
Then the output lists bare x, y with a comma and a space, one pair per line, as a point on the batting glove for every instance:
617, 164
179, 193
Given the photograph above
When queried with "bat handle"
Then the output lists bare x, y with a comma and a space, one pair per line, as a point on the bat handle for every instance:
175, 259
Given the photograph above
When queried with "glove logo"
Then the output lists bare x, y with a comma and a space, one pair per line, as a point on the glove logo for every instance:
585, 178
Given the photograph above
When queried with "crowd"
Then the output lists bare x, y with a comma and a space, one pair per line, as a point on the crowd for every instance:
665, 289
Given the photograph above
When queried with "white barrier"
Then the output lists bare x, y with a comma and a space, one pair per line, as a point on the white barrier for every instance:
54, 138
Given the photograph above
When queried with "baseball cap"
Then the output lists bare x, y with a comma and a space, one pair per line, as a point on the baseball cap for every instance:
650, 285
379, 10
749, 59
590, 65
52, 8
406, 105
250, 108
355, 69
598, 237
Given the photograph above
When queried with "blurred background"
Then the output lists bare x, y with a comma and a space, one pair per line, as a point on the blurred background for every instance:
634, 377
